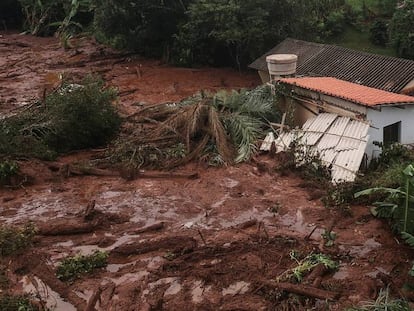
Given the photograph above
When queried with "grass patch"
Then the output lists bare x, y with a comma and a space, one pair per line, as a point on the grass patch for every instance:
72, 268
8, 170
15, 240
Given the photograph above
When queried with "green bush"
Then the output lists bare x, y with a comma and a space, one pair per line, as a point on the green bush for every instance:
379, 32
14, 240
8, 169
401, 30
71, 268
82, 116
71, 118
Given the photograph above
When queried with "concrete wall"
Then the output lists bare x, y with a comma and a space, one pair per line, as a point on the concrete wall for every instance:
388, 116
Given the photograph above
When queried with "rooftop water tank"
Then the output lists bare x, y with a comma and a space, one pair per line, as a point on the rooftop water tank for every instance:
282, 64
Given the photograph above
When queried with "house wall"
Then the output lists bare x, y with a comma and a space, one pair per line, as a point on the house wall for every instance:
388, 116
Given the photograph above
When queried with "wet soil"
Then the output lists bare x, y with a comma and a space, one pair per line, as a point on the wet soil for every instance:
210, 243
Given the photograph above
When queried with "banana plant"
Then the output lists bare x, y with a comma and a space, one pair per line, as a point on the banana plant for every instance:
398, 201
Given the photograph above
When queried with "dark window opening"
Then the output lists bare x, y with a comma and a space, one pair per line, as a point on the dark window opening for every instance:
392, 133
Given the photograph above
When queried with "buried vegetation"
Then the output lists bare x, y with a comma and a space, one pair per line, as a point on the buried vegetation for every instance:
14, 240
75, 116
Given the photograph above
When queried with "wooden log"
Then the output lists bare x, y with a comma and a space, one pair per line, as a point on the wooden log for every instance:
154, 227
66, 227
304, 290
176, 244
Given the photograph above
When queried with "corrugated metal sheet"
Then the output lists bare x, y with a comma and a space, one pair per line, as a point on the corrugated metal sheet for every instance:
339, 141
382, 72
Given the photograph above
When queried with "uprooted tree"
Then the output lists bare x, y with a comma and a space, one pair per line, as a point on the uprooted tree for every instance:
218, 129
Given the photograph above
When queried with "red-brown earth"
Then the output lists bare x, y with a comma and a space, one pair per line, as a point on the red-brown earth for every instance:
216, 242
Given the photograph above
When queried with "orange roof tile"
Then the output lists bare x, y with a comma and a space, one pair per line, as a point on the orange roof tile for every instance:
353, 92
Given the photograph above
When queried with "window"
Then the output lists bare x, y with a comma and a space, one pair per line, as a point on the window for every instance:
392, 133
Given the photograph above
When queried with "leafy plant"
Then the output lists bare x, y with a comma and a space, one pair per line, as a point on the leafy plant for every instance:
306, 265
72, 268
398, 203
14, 240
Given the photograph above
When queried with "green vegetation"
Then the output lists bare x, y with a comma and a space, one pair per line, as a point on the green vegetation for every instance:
72, 268
73, 117
8, 169
306, 265
383, 303
17, 303
401, 30
214, 128
14, 240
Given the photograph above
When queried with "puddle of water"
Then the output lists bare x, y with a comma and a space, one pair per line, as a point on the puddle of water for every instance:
65, 244
220, 202
238, 288
53, 300
198, 291
297, 224
85, 294
374, 274
368, 246
87, 249
130, 277
174, 289
154, 262
342, 273
230, 183
253, 213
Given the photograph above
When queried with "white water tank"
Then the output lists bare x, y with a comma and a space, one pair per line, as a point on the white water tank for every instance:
280, 65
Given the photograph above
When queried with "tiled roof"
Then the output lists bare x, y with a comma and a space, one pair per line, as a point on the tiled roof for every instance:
382, 72
353, 92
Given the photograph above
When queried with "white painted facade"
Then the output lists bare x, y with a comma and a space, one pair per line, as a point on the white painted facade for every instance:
387, 116
378, 116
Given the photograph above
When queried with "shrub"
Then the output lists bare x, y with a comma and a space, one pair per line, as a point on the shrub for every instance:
401, 30
14, 240
82, 116
8, 169
379, 32
72, 268
73, 117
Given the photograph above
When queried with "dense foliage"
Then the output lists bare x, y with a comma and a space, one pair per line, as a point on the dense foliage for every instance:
75, 116
217, 32
402, 29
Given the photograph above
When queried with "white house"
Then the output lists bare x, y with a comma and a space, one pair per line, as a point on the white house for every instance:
341, 120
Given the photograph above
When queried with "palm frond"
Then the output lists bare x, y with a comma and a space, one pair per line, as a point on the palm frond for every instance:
222, 141
244, 131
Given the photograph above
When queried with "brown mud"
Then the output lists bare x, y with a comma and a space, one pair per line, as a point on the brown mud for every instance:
214, 242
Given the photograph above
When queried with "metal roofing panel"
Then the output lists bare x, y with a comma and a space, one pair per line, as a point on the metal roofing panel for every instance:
353, 134
347, 163
318, 127
341, 146
382, 72
267, 142
334, 134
